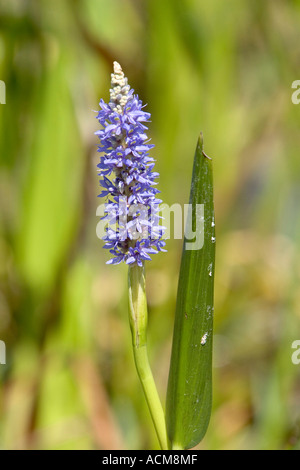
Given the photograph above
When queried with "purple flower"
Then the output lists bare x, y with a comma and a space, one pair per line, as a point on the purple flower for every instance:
133, 230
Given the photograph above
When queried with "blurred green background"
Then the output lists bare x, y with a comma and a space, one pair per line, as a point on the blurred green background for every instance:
225, 68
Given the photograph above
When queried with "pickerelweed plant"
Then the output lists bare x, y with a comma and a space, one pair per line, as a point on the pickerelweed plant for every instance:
133, 233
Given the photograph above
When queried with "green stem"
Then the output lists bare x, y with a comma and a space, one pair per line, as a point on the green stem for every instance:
138, 317
176, 446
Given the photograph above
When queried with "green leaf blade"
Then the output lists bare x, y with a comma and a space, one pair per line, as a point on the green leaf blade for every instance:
189, 396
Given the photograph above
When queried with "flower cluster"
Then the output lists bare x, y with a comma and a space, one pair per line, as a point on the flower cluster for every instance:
133, 231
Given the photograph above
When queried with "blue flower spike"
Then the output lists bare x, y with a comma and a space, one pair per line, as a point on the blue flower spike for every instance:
133, 231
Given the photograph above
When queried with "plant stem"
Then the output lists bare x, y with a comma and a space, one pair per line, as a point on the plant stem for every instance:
176, 446
138, 317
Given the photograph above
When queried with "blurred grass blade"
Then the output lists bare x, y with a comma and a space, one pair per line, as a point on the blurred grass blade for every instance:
189, 395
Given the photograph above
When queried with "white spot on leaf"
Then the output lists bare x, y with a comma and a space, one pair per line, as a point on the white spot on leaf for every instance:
204, 338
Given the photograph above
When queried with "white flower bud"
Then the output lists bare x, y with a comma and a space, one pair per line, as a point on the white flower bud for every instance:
119, 89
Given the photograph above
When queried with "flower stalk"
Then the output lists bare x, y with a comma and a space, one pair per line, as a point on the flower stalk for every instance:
138, 318
133, 230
